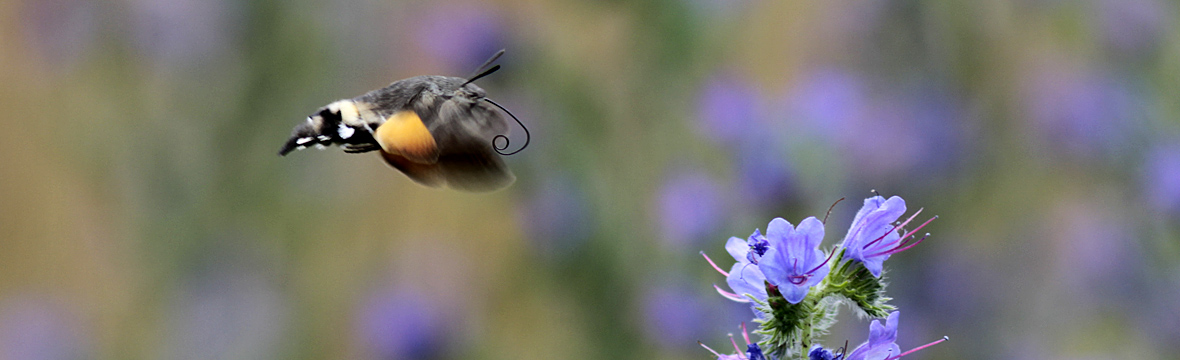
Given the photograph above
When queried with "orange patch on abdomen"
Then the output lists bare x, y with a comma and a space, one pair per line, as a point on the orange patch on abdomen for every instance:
404, 134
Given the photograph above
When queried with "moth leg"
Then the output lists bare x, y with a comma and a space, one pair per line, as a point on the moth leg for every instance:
361, 148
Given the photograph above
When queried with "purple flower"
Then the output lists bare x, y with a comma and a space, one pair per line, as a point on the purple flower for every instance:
819, 353
794, 262
745, 277
753, 352
873, 237
881, 343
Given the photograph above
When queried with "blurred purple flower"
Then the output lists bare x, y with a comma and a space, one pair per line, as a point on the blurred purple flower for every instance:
727, 108
62, 31
34, 328
826, 102
1087, 231
677, 314
1161, 178
226, 313
398, 323
1081, 113
764, 173
794, 262
177, 32
876, 136
880, 345
1133, 26
460, 36
936, 123
690, 208
873, 237
555, 217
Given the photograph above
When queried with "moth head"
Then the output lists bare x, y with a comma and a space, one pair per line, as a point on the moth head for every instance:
471, 91
332, 114
324, 127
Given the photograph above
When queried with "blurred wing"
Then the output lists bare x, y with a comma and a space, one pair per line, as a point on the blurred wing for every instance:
478, 170
447, 141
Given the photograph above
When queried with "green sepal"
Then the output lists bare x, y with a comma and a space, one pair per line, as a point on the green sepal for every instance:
852, 283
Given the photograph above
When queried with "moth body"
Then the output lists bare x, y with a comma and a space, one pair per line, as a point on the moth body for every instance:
438, 130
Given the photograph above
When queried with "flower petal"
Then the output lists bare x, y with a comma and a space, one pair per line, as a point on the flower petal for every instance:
794, 294
870, 205
891, 326
737, 248
778, 230
746, 278
812, 231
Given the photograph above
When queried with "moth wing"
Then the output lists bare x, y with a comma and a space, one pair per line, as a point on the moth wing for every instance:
462, 131
426, 174
404, 134
464, 118
477, 170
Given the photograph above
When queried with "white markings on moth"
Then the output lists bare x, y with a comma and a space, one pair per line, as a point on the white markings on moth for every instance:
300, 147
302, 141
348, 111
345, 131
320, 146
324, 137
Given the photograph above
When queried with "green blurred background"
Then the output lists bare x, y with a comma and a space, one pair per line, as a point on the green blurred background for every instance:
145, 215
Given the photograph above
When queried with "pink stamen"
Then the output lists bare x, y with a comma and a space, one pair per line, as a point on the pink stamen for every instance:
944, 338
897, 250
745, 335
708, 348
919, 227
907, 221
823, 263
902, 246
735, 347
718, 268
731, 296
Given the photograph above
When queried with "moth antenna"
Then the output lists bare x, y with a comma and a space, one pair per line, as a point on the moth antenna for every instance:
499, 149
480, 75
490, 61
481, 72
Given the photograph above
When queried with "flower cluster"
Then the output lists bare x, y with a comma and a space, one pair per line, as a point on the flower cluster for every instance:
795, 288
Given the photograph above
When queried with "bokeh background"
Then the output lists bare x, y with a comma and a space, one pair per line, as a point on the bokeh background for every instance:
145, 215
